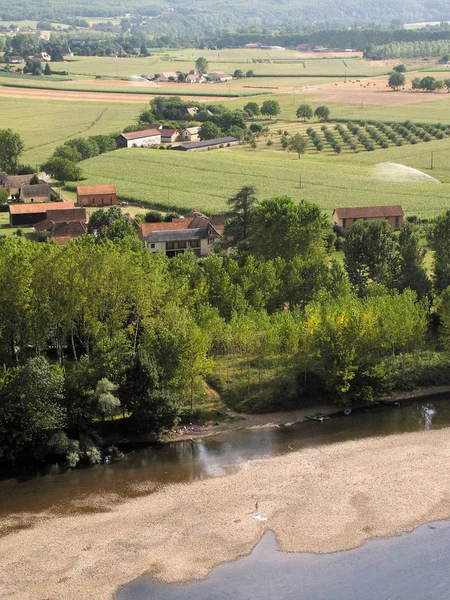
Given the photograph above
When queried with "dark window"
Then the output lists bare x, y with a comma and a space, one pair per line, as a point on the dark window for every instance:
152, 245
397, 219
344, 223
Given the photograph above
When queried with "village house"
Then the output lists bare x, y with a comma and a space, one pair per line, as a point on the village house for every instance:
43, 56
30, 214
194, 77
63, 226
169, 76
16, 183
146, 137
219, 76
168, 136
190, 134
96, 195
346, 217
192, 233
221, 142
39, 192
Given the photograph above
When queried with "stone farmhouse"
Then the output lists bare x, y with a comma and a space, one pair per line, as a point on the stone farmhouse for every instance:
346, 217
21, 185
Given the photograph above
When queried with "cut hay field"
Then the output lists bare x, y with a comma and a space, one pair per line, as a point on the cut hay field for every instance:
43, 125
204, 180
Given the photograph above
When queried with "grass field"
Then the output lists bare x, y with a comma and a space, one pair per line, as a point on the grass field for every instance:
182, 181
45, 125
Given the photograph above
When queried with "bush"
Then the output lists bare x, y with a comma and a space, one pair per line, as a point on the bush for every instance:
153, 216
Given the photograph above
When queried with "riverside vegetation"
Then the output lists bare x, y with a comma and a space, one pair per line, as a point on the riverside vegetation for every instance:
102, 329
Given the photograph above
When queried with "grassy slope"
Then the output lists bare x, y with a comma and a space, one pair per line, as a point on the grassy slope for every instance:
44, 125
205, 180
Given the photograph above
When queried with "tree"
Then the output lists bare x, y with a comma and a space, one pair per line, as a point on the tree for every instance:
415, 83
400, 69
412, 271
108, 404
439, 85
4, 195
33, 67
447, 84
252, 109
68, 153
271, 108
62, 169
241, 205
438, 236
250, 73
87, 147
239, 74
304, 111
322, 113
209, 131
396, 80
298, 143
143, 51
427, 83
47, 70
11, 147
201, 64
153, 216
371, 255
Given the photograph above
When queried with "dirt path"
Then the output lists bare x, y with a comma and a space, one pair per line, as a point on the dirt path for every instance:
356, 490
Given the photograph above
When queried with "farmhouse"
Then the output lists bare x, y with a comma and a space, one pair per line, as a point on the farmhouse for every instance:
208, 144
146, 137
190, 134
194, 77
63, 226
43, 56
30, 214
39, 192
219, 76
96, 195
14, 183
345, 217
169, 136
192, 233
169, 76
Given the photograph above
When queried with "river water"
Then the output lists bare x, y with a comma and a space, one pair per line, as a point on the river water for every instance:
69, 492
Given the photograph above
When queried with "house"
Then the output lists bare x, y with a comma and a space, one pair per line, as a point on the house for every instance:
219, 76
192, 110
96, 195
208, 144
193, 233
63, 226
15, 183
190, 134
39, 192
345, 217
168, 136
194, 77
169, 76
30, 214
146, 137
43, 56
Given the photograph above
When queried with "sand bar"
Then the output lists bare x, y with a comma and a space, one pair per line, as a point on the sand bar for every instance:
317, 500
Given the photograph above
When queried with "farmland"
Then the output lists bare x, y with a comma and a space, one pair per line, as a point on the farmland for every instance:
173, 180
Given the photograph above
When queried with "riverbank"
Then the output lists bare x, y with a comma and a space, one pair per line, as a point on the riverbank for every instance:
320, 499
276, 419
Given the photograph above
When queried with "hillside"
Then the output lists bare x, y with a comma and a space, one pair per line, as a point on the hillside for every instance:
200, 15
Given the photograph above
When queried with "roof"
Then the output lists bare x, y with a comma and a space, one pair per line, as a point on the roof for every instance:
64, 232
192, 130
206, 143
146, 228
177, 236
75, 214
89, 190
168, 132
169, 74
367, 212
40, 189
18, 181
42, 207
137, 135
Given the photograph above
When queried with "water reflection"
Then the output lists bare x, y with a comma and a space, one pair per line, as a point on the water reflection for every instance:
143, 471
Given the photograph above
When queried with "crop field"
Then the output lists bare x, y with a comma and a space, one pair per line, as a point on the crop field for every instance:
45, 125
204, 180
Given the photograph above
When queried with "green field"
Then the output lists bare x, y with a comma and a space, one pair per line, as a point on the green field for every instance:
44, 125
204, 180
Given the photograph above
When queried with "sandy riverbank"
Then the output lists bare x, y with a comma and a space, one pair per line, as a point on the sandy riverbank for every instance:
317, 500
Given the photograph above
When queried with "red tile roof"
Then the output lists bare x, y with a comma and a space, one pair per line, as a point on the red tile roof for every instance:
89, 190
42, 207
368, 212
146, 228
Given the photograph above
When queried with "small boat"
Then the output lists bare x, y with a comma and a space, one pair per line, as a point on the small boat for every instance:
317, 417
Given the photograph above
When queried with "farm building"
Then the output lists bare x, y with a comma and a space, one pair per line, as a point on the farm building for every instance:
63, 226
168, 136
146, 137
14, 183
219, 76
208, 144
192, 233
194, 77
169, 76
39, 192
96, 195
345, 217
190, 134
30, 214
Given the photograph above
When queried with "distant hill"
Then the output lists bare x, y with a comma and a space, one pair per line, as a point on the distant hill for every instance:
201, 16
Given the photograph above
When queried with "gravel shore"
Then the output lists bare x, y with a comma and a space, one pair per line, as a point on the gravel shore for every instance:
317, 500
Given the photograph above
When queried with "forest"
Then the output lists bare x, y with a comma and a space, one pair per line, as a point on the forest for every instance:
101, 328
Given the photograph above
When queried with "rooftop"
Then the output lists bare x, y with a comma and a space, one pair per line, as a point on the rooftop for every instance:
89, 190
205, 143
137, 135
369, 212
42, 207
33, 191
